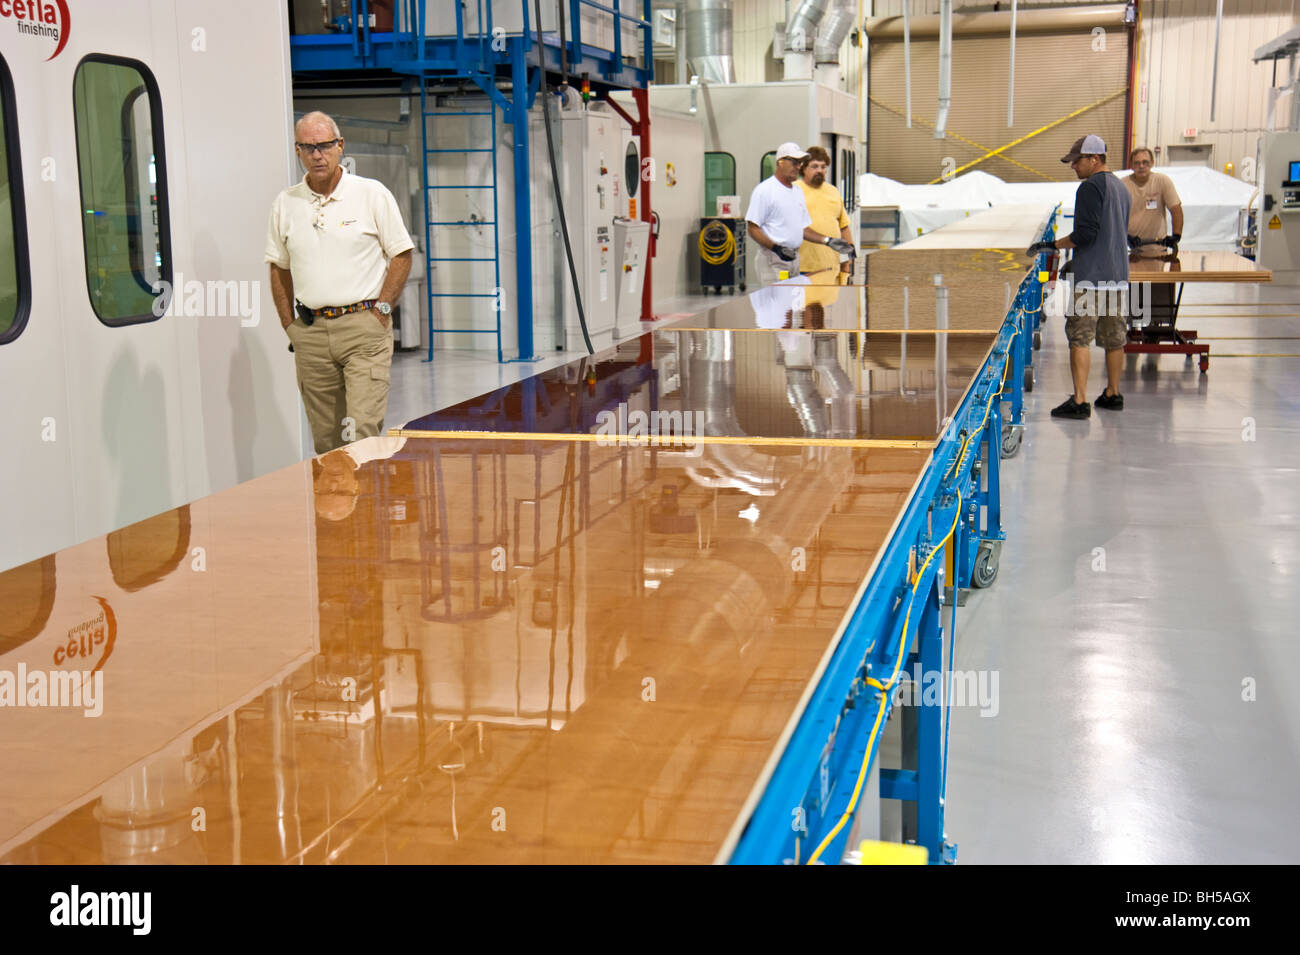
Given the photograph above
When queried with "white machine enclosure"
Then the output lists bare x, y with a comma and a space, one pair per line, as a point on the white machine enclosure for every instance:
794, 111
1279, 226
594, 196
631, 246
677, 195
109, 425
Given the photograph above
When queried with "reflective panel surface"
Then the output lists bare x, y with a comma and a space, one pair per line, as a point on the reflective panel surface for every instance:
698, 386
440, 651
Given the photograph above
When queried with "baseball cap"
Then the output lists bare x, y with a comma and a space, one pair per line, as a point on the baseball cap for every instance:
1089, 145
791, 150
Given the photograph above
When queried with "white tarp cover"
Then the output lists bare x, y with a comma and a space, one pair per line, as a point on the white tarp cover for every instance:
1211, 201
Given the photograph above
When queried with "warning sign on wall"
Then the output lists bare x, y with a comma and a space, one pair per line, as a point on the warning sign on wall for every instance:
1275, 222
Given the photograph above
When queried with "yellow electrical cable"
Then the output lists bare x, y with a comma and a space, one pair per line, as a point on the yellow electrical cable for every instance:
885, 688
714, 252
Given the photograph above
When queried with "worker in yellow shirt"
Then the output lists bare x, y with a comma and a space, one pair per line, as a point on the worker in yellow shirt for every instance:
826, 209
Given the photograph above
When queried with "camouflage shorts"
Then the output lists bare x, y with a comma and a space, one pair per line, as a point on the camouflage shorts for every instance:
1100, 316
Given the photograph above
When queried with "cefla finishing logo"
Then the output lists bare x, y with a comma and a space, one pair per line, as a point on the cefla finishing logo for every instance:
40, 18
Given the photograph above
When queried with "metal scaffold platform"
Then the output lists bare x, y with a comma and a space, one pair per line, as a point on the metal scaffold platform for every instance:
496, 48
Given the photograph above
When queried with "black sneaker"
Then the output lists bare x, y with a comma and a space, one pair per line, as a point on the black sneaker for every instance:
1110, 402
1072, 409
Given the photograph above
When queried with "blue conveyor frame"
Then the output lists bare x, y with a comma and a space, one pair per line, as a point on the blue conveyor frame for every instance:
812, 787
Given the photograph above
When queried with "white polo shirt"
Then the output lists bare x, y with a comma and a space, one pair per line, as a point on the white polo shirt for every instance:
336, 247
780, 211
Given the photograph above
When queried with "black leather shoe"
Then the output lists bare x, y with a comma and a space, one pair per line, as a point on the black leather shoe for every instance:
1110, 402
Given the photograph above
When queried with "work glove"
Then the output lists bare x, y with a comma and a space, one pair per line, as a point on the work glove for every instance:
1134, 242
843, 247
1171, 242
785, 253
1040, 248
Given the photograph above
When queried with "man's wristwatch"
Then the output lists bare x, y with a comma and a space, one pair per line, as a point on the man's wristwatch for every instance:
384, 309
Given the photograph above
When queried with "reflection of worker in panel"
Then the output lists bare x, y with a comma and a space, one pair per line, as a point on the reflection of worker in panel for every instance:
826, 209
334, 478
779, 221
1153, 196
337, 244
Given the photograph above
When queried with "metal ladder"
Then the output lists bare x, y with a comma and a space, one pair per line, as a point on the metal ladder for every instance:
430, 223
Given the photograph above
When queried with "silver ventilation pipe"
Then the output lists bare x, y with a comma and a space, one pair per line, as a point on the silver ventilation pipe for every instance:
803, 25
707, 28
945, 68
842, 398
809, 407
833, 30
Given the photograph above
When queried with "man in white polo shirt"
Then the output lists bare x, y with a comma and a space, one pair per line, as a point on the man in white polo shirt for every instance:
779, 222
336, 244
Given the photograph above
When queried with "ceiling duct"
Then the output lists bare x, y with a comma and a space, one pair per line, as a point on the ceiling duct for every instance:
707, 28
799, 38
833, 30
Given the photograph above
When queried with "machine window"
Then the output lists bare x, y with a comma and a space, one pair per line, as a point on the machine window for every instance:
15, 283
123, 188
719, 179
767, 165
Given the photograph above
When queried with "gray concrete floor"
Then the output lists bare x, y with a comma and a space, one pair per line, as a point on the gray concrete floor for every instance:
1125, 732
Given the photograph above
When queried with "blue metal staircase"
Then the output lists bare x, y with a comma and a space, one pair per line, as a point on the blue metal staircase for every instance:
482, 58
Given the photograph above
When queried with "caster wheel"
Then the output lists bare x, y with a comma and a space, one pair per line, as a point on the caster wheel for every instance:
718, 289
985, 570
742, 286
1011, 439
1029, 379
1038, 340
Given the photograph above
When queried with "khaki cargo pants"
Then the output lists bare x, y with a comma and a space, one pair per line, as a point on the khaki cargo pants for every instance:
343, 365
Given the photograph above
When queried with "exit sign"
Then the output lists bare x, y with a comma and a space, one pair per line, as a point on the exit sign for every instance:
1189, 132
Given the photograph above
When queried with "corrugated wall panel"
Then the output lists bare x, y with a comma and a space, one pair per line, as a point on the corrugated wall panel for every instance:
1177, 53
979, 104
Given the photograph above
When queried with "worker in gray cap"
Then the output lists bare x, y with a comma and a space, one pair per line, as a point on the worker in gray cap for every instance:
778, 219
1098, 309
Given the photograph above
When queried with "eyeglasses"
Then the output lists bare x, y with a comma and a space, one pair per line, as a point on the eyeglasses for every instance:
310, 148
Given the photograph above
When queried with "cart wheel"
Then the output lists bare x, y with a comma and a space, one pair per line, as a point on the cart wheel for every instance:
1029, 379
742, 286
1038, 340
985, 570
1011, 438
1205, 363
718, 289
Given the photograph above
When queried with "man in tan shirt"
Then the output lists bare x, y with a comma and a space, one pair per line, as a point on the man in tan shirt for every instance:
1153, 195
336, 243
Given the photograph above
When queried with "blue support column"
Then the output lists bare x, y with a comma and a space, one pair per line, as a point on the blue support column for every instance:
929, 735
520, 102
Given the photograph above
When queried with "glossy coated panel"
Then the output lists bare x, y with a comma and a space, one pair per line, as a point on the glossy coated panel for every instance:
432, 651
761, 384
1192, 266
918, 305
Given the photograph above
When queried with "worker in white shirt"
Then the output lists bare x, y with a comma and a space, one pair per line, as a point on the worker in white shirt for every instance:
336, 244
778, 219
